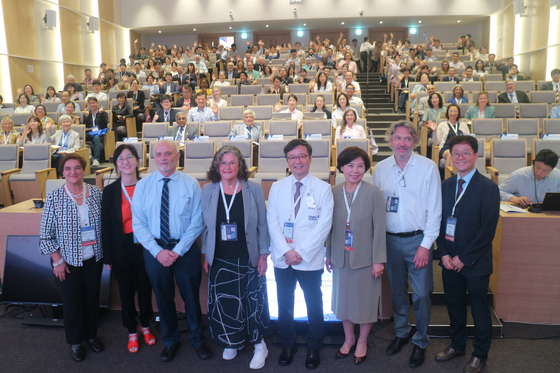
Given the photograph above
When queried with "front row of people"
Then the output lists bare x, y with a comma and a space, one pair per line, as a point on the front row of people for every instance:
146, 231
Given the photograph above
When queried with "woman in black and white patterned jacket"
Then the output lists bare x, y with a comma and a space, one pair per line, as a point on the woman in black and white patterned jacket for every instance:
71, 235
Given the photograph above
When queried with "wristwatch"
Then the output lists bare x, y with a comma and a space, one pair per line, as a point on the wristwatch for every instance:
58, 263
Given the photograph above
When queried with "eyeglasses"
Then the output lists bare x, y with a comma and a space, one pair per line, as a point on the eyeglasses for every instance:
128, 158
402, 181
301, 158
224, 164
464, 154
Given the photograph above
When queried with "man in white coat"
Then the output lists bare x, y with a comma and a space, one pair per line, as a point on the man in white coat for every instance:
299, 219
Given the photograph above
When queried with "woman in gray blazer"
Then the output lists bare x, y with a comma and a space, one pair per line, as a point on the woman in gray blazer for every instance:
66, 138
356, 251
235, 243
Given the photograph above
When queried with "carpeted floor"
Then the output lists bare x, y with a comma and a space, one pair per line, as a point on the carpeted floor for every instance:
43, 349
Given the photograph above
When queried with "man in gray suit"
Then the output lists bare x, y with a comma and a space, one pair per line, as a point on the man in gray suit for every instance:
554, 85
181, 132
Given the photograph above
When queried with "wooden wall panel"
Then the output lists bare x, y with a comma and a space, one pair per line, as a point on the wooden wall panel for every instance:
133, 36
486, 33
270, 38
509, 19
108, 50
72, 4
71, 36
376, 34
77, 71
20, 77
106, 10
538, 65
19, 21
540, 21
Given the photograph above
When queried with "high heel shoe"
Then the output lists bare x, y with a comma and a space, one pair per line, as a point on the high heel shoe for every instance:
360, 359
149, 338
340, 355
133, 343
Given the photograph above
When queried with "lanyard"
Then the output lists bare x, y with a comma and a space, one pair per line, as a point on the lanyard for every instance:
85, 205
349, 208
458, 199
456, 128
226, 207
64, 140
459, 101
126, 195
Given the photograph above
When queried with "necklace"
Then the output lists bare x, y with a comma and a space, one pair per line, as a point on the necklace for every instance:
77, 195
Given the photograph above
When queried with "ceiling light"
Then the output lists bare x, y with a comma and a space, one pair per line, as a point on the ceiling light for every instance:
194, 29
419, 21
266, 25
230, 27
341, 23
380, 22
458, 21
300, 33
413, 30
305, 24
159, 31
244, 35
358, 31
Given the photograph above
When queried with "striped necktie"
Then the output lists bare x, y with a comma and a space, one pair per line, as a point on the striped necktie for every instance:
165, 235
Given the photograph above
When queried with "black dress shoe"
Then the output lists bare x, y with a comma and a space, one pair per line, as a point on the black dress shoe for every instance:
203, 352
313, 359
395, 346
417, 357
77, 353
95, 344
287, 356
168, 353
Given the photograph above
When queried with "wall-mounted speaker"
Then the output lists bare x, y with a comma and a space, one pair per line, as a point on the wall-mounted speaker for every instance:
50, 18
518, 7
93, 24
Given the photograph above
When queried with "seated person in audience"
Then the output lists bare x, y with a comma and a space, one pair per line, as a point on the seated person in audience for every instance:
181, 78
292, 73
277, 88
458, 96
424, 69
423, 103
555, 112
403, 87
505, 69
248, 57
349, 80
165, 114
468, 75
97, 91
51, 95
138, 98
554, 85
111, 85
436, 110
187, 99
348, 60
72, 80
292, 103
283, 74
455, 61
204, 87
34, 132
122, 74
70, 109
348, 126
302, 77
131, 61
9, 134
221, 82
530, 184
354, 100
169, 87
201, 113
252, 74
174, 72
121, 111
246, 128
451, 77
67, 139
493, 65
181, 132
28, 90
65, 96
319, 107
166, 65
511, 95
482, 109
102, 70
483, 55
308, 65
322, 84
243, 80
430, 56
422, 87
217, 98
445, 130
294, 58
137, 70
342, 103
161, 76
24, 106
192, 75
74, 95
480, 70
41, 113
95, 118
154, 88
240, 66
267, 72
444, 69
88, 79
420, 52
513, 74
260, 64
231, 72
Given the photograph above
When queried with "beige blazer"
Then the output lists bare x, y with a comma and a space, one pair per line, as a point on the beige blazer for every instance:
367, 221
73, 141
254, 208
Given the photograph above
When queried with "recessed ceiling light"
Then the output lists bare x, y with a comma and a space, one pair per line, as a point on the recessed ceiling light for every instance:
341, 23
266, 25
230, 27
380, 22
159, 31
305, 24
194, 29
458, 21
419, 21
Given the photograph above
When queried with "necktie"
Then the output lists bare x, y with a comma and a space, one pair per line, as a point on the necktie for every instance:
166, 116
512, 98
298, 186
249, 133
460, 188
179, 134
165, 235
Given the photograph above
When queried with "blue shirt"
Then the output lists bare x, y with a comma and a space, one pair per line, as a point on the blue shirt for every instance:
555, 112
466, 178
154, 89
185, 212
62, 108
197, 115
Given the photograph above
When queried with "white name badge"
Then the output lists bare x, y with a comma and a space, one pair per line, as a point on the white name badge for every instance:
170, 138
509, 136
289, 231
450, 229
238, 138
274, 137
201, 138
88, 236
314, 136
94, 128
128, 140
555, 136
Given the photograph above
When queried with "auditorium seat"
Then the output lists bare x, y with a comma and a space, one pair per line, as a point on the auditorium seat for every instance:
507, 156
287, 128
9, 165
35, 170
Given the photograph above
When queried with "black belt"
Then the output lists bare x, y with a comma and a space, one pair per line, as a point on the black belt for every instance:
407, 234
169, 246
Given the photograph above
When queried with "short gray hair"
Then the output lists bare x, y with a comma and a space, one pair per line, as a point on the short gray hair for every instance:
401, 123
509, 80
249, 111
174, 143
65, 117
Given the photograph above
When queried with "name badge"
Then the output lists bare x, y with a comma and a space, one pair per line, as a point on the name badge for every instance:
289, 231
88, 236
229, 231
95, 128
450, 229
392, 204
349, 240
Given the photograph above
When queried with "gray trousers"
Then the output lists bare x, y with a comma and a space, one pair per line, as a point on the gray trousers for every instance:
400, 259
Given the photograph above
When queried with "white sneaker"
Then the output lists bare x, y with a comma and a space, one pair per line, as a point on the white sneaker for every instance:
229, 353
259, 356
95, 163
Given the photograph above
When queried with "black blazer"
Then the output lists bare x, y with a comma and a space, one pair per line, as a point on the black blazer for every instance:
161, 117
112, 226
522, 98
181, 100
101, 120
139, 99
477, 215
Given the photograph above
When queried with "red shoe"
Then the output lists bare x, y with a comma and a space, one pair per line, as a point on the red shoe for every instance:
133, 343
149, 338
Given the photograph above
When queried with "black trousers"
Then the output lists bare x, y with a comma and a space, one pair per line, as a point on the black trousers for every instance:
55, 163
364, 57
80, 297
133, 279
456, 286
187, 273
310, 283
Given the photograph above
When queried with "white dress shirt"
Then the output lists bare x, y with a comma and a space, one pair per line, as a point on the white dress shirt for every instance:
296, 115
197, 115
418, 188
98, 96
311, 226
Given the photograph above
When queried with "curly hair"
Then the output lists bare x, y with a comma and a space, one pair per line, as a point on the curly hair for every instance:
213, 173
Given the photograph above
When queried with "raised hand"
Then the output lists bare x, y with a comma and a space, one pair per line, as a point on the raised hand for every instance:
156, 117
101, 110
136, 41
215, 109
277, 107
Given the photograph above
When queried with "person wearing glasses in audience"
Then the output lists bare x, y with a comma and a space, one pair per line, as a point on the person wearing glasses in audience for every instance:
71, 235
166, 220
235, 244
530, 184
411, 188
470, 210
166, 113
292, 108
356, 251
24, 106
70, 108
96, 119
181, 133
554, 85
446, 130
41, 113
66, 139
201, 112
299, 218
138, 99
122, 254
513, 96
9, 134
65, 97
221, 82
121, 111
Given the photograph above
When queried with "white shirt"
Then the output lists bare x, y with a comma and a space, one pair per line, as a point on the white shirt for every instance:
296, 115
27, 109
220, 103
459, 65
98, 96
355, 131
419, 196
355, 84
311, 226
355, 100
337, 114
327, 88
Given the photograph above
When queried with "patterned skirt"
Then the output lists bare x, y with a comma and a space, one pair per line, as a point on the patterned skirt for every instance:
237, 303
